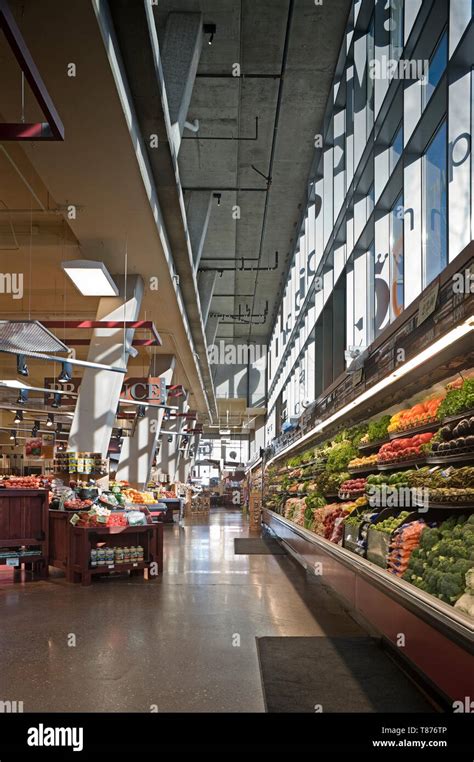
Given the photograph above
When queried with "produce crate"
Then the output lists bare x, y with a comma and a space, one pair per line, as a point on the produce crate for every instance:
378, 543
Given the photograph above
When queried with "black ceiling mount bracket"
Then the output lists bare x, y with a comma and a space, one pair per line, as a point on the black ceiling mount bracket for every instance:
209, 29
243, 267
267, 179
247, 317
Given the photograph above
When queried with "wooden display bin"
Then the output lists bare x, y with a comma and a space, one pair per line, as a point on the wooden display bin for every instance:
70, 547
255, 511
24, 522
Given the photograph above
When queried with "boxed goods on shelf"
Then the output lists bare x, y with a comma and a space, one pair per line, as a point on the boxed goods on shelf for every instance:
81, 463
117, 555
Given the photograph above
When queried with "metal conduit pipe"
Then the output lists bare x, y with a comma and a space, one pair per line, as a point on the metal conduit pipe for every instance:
275, 132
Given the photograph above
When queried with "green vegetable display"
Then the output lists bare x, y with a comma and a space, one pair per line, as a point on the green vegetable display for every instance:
378, 429
389, 525
444, 557
457, 400
339, 455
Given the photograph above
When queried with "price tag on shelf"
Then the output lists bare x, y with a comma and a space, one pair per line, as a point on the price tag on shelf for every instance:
13, 561
110, 566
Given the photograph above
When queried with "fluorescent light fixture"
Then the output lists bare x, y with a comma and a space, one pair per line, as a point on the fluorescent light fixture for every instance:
66, 370
90, 278
428, 353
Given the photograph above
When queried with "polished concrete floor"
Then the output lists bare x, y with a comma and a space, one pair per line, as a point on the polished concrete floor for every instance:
184, 642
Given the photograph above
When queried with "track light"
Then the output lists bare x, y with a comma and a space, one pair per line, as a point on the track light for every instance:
218, 196
12, 434
210, 29
50, 420
21, 366
35, 429
59, 427
170, 439
141, 411
22, 397
18, 416
56, 400
66, 373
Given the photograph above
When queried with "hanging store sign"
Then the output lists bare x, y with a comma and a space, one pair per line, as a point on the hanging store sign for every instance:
428, 304
71, 387
152, 389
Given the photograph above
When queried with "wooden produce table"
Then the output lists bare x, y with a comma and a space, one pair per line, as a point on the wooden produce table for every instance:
70, 547
24, 522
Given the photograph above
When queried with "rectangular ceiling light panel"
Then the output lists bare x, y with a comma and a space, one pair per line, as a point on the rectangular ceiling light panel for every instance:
90, 278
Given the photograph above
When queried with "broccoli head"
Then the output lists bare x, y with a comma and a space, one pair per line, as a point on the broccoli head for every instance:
451, 585
429, 538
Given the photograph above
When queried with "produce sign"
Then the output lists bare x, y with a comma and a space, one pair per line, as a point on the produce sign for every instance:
33, 447
152, 389
409, 448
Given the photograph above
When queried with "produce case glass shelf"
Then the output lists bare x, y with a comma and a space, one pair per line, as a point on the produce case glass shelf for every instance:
390, 605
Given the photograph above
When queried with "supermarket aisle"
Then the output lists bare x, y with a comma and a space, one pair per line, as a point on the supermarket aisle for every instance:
182, 643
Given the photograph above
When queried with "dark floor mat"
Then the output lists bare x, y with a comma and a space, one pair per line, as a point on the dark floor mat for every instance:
334, 675
257, 546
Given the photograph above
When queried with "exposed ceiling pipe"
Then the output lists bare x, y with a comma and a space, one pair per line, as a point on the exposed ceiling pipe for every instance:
25, 181
284, 61
243, 268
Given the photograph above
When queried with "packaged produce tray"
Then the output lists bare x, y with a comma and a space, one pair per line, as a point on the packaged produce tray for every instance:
378, 543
